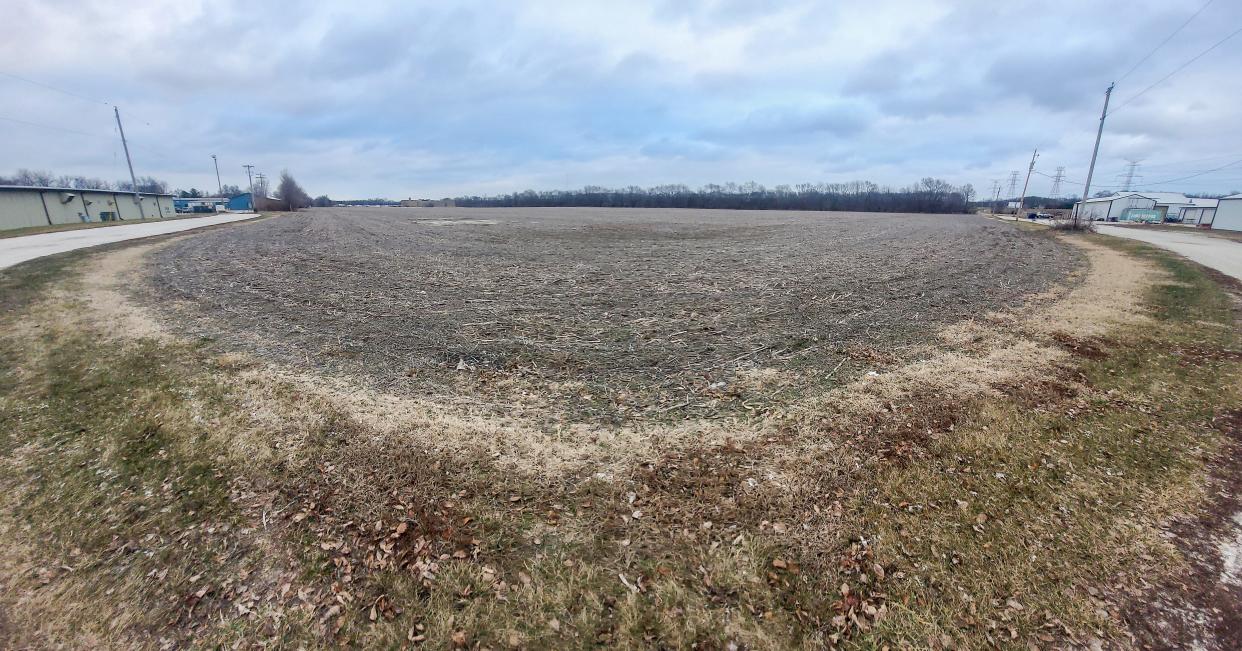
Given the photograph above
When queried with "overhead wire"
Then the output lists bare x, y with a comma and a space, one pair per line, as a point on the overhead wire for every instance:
54, 88
1177, 70
1164, 42
55, 128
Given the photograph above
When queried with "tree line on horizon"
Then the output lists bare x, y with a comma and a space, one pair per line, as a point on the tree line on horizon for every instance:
927, 196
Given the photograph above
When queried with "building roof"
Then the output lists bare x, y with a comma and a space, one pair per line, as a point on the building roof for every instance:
1119, 195
1232, 196
1200, 202
1162, 198
39, 187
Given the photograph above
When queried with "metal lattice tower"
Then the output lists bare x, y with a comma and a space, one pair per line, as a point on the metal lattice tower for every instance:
1056, 181
1013, 184
1127, 178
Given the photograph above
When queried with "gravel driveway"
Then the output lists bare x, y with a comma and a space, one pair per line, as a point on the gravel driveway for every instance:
1217, 253
15, 250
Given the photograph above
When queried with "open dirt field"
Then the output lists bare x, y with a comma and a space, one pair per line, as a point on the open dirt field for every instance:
601, 314
450, 429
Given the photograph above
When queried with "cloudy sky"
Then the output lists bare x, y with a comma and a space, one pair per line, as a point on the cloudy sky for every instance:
432, 99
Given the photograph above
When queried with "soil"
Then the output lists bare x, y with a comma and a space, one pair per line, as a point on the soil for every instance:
598, 314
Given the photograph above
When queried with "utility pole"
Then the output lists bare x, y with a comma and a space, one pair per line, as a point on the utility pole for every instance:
996, 187
1026, 185
219, 186
262, 186
1056, 181
250, 179
132, 179
1086, 190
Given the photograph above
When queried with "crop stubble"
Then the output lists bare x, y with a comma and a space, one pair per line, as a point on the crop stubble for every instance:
599, 314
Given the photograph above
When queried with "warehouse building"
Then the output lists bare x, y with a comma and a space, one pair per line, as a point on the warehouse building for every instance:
1130, 206
200, 204
1200, 212
428, 203
24, 206
241, 203
1228, 214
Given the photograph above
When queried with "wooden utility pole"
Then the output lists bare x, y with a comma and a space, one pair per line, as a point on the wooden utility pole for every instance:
132, 179
1021, 201
1086, 190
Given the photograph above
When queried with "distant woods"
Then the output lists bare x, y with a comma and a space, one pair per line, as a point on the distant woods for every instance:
928, 196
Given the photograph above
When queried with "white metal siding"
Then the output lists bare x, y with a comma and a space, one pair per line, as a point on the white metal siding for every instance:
1118, 207
65, 207
1094, 210
21, 210
1228, 215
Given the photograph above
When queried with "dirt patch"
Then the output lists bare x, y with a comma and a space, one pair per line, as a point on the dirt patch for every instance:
992, 356
607, 316
1200, 608
1081, 347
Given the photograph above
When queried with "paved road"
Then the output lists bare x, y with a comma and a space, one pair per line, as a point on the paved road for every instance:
15, 250
1218, 253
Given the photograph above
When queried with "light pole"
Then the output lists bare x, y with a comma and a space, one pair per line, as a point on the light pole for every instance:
219, 186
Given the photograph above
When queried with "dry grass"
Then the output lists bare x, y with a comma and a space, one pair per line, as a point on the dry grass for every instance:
1006, 487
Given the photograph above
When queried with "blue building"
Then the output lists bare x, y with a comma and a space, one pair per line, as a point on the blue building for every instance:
241, 202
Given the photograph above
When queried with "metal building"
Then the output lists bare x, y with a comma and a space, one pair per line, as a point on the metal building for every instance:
1201, 212
24, 206
1118, 207
241, 203
1229, 214
200, 204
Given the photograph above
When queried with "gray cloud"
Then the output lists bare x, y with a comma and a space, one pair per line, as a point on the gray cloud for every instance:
420, 98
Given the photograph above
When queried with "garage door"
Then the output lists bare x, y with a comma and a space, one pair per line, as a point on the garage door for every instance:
1228, 215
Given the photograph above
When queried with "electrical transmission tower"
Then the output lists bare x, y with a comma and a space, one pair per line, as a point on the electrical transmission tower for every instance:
1056, 181
996, 188
1013, 184
1128, 177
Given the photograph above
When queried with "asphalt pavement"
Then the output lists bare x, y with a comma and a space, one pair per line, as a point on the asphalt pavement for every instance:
15, 250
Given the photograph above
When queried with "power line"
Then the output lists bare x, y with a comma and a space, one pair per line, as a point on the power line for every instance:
51, 87
1178, 69
54, 128
1165, 41
1184, 178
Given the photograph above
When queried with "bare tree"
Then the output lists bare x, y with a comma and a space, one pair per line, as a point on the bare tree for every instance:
291, 193
37, 178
